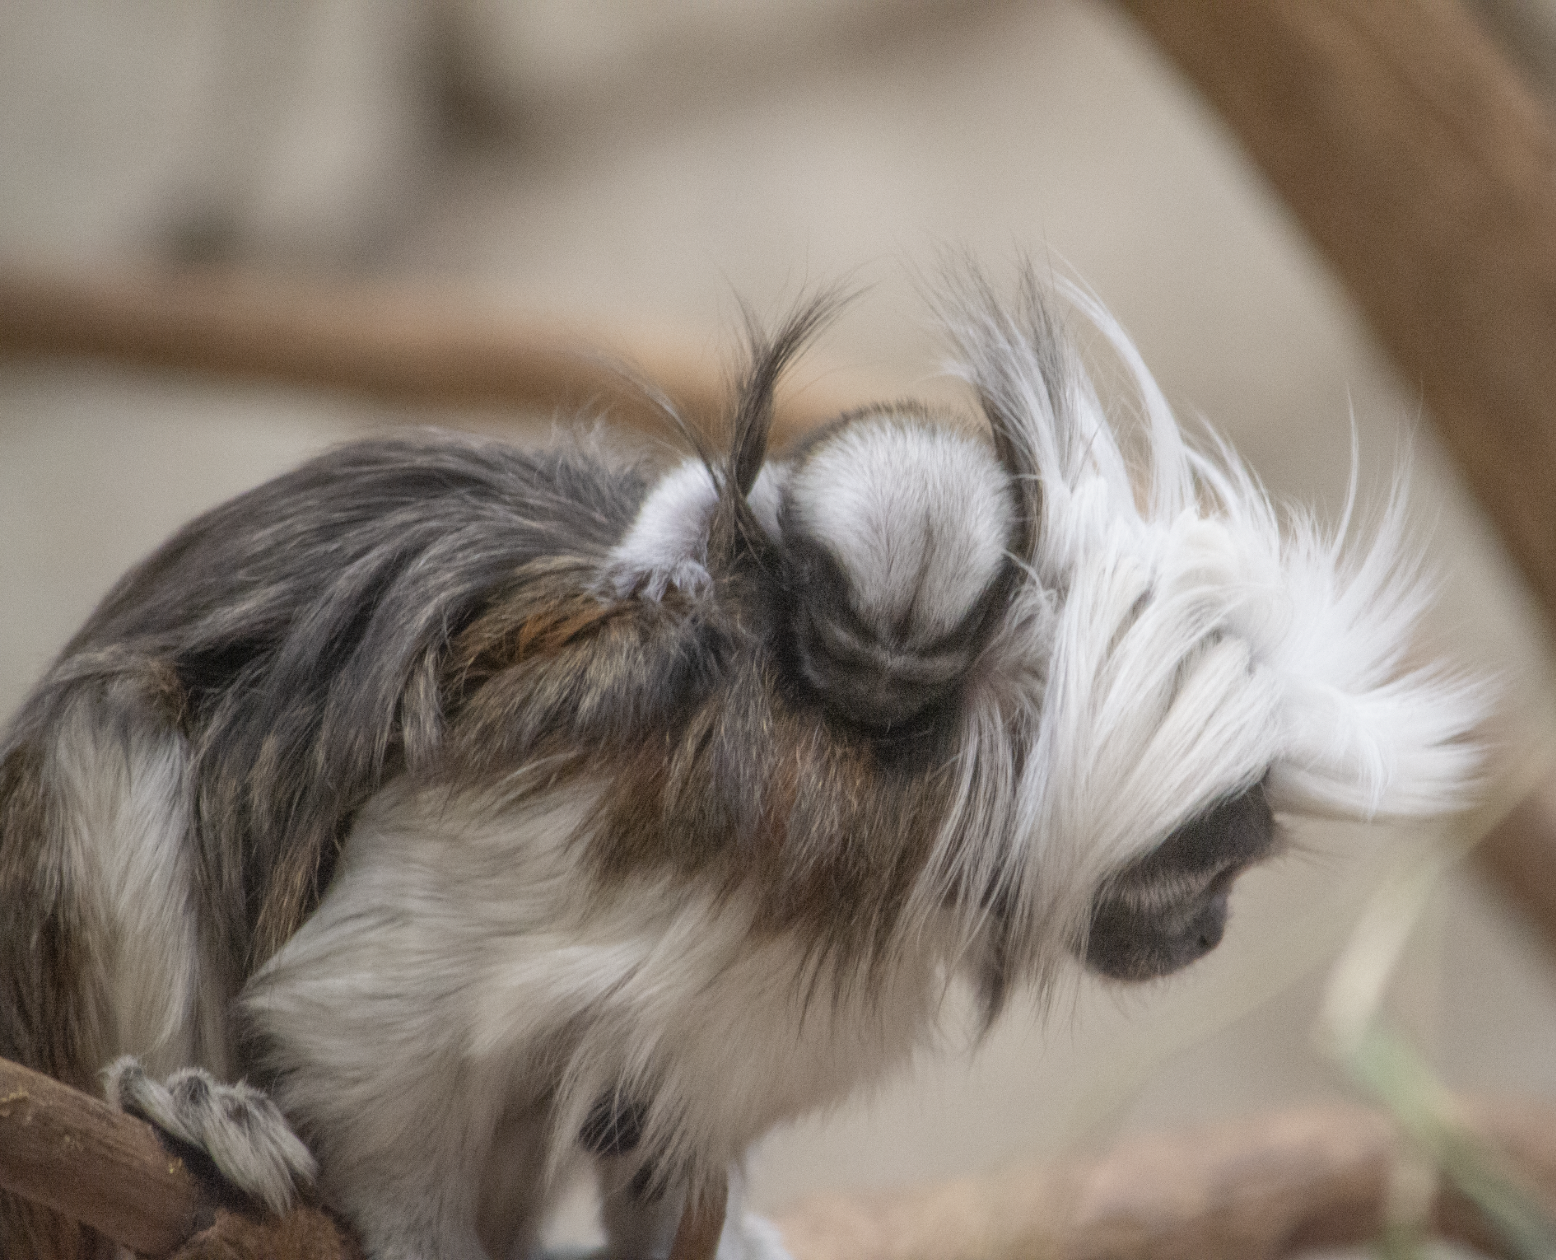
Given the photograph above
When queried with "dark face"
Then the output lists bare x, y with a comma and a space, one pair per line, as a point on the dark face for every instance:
855, 668
1169, 908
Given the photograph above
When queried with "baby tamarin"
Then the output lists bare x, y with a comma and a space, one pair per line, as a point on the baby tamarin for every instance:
489, 806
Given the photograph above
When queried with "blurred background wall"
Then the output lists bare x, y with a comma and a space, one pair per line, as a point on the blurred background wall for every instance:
643, 166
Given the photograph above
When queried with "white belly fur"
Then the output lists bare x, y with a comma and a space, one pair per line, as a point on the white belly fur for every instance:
464, 969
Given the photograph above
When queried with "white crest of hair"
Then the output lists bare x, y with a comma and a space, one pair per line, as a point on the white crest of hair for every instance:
466, 989
915, 513
1188, 640
666, 546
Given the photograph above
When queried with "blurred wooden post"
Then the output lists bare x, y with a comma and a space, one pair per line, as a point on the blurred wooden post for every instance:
398, 345
1424, 169
1517, 858
1275, 1185
702, 1223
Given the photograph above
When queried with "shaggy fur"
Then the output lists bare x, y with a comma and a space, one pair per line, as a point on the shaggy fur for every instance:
498, 808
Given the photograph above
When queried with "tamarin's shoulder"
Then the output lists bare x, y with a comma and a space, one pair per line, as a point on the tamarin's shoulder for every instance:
384, 549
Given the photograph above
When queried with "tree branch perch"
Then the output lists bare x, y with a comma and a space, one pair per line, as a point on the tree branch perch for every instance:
1265, 1187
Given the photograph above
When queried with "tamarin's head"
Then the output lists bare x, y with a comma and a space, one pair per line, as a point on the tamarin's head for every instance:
1133, 666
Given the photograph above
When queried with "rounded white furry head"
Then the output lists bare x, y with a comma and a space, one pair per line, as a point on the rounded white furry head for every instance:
916, 515
1171, 641
895, 532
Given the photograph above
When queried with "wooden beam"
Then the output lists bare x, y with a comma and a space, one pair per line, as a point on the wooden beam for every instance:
1518, 859
702, 1224
1269, 1186
402, 345
1424, 169
1274, 1185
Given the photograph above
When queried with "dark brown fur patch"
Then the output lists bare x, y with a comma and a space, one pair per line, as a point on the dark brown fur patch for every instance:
751, 794
510, 634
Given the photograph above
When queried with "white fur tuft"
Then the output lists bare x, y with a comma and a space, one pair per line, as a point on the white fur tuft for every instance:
667, 546
124, 820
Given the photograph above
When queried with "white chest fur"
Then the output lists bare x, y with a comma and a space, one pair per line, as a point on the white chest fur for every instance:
465, 969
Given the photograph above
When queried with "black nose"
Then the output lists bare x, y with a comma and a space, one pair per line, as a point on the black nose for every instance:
1208, 927
1125, 946
1169, 908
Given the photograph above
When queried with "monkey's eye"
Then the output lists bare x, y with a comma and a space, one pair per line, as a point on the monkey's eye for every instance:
1170, 908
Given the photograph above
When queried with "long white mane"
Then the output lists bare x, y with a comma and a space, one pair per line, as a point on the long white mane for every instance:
1175, 637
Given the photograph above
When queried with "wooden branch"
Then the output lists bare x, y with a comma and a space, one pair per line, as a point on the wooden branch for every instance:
83, 1159
1518, 859
1272, 1186
304, 1233
1425, 171
398, 345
